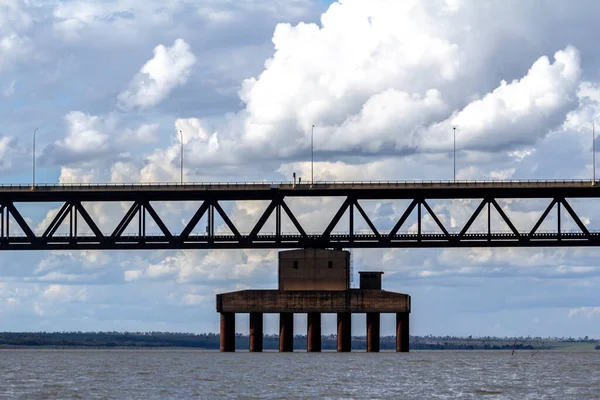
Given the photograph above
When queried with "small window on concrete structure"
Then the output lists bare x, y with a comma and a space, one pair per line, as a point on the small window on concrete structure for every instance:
295, 264
330, 264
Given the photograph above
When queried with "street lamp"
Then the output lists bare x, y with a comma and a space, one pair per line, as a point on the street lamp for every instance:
454, 136
312, 158
181, 173
33, 157
593, 153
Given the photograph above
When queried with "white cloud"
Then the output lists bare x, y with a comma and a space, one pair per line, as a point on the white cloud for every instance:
64, 294
86, 137
145, 134
14, 22
519, 112
191, 299
587, 312
170, 67
364, 55
132, 275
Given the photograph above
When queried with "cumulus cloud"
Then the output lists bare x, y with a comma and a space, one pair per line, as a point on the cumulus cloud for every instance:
170, 67
86, 138
14, 23
587, 312
519, 112
10, 153
64, 294
145, 134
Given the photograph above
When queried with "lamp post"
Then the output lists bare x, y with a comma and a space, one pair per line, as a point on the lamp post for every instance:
33, 159
593, 153
312, 158
181, 151
454, 138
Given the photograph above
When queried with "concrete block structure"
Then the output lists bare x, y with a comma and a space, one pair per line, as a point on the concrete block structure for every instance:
315, 281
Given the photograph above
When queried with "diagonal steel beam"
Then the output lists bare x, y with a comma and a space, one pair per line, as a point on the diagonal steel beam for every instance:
223, 215
185, 233
293, 218
473, 217
57, 220
135, 207
263, 219
157, 220
336, 218
575, 217
435, 218
21, 221
367, 219
505, 218
543, 217
86, 217
403, 219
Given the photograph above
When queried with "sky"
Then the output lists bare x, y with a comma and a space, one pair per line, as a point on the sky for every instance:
109, 85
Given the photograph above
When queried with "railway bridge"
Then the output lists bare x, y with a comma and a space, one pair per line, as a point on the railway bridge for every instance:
211, 196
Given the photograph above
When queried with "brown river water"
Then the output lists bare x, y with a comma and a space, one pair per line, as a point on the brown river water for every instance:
186, 374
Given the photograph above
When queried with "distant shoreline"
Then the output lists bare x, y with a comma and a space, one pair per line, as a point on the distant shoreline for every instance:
210, 341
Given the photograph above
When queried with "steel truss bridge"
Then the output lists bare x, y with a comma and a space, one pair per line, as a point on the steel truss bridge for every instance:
212, 195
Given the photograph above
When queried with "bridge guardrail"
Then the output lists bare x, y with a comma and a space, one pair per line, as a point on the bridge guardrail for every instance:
286, 184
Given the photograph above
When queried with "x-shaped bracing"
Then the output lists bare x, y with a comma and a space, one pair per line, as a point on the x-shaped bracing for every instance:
400, 235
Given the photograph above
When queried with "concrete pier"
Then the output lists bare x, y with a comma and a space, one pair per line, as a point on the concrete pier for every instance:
227, 334
402, 332
313, 282
286, 332
313, 332
256, 332
344, 332
373, 332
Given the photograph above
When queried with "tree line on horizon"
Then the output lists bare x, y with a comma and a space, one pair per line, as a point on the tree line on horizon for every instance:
270, 342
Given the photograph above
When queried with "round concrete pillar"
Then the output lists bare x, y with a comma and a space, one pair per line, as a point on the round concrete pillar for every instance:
286, 332
227, 334
373, 332
313, 332
402, 332
256, 332
344, 332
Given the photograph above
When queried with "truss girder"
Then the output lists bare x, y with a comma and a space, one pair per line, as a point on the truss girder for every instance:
340, 231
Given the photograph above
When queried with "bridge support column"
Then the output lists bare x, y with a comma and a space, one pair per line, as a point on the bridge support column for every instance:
344, 332
227, 334
256, 332
402, 332
373, 332
313, 332
286, 332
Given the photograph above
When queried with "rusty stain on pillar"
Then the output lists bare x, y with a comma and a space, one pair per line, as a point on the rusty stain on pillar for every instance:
373, 330
313, 328
227, 334
402, 332
286, 332
256, 332
344, 332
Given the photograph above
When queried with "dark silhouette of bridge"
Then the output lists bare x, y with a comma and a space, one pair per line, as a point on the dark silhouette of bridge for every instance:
73, 213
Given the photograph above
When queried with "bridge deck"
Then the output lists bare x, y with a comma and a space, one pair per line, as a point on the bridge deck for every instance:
265, 190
